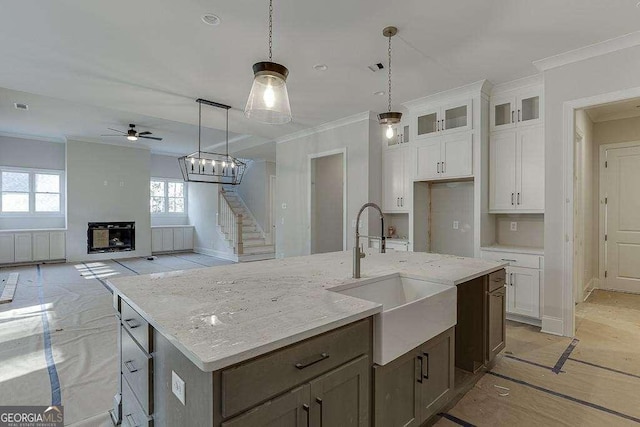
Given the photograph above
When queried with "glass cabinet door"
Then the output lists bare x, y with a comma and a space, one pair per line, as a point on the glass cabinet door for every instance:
503, 113
456, 117
529, 109
428, 123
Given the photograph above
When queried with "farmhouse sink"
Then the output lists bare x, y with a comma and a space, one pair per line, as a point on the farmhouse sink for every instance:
413, 312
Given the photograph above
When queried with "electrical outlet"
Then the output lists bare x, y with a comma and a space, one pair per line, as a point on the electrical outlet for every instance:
514, 226
284, 206
456, 225
177, 387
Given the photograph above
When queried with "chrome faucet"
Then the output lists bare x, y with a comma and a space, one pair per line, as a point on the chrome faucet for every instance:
358, 253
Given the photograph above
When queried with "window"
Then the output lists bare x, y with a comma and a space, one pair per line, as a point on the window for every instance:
28, 191
167, 197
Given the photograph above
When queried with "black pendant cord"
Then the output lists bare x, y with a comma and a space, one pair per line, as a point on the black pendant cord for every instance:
227, 134
270, 29
389, 73
199, 126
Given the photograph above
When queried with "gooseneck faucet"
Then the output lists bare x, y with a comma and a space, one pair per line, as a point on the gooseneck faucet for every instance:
358, 253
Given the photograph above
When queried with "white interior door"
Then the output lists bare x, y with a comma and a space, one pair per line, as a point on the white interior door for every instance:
502, 170
622, 245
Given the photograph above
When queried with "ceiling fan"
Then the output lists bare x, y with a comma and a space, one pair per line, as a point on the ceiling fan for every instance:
133, 135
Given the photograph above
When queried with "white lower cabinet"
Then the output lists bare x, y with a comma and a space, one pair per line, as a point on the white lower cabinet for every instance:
28, 246
7, 248
41, 249
523, 291
523, 282
22, 247
170, 239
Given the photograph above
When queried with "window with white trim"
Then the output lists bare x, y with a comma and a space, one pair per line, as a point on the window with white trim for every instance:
168, 197
28, 192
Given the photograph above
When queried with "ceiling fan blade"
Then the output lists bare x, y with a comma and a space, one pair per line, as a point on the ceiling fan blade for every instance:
150, 137
144, 133
114, 135
116, 130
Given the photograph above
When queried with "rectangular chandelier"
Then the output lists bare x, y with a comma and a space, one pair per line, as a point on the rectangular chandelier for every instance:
211, 168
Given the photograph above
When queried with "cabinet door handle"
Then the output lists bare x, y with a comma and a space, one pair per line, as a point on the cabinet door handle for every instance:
511, 199
131, 323
402, 201
319, 401
442, 127
443, 163
519, 119
305, 407
518, 198
312, 361
512, 114
438, 167
510, 279
426, 355
397, 201
130, 366
420, 376
507, 259
437, 125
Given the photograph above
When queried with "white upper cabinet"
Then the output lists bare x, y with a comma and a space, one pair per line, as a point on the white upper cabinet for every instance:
445, 158
397, 180
517, 170
444, 118
517, 108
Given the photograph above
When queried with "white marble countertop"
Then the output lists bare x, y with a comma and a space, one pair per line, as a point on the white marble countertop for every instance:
515, 249
223, 315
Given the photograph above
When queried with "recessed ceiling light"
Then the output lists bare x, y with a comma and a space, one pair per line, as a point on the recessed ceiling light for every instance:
638, 4
211, 19
379, 93
320, 67
20, 106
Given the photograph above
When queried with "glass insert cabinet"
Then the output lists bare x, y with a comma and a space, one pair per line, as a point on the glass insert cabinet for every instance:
518, 109
444, 119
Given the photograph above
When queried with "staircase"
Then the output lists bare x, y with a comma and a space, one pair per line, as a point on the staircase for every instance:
252, 244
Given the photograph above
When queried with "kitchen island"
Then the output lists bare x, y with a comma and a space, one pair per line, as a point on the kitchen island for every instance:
225, 346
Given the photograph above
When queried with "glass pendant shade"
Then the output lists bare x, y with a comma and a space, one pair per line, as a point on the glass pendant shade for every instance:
269, 100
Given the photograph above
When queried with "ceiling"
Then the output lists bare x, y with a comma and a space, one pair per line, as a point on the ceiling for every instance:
615, 111
152, 58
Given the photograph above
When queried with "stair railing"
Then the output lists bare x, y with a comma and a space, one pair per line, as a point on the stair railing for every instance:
230, 222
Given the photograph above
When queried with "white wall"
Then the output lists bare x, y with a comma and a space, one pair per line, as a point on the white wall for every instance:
613, 72
327, 219
203, 208
529, 233
167, 167
452, 202
254, 191
27, 153
363, 144
106, 183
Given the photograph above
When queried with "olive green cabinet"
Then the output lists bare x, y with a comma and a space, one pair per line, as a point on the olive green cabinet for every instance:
414, 387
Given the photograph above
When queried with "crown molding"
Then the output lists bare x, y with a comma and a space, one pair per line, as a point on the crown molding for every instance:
479, 87
524, 82
34, 137
366, 115
591, 51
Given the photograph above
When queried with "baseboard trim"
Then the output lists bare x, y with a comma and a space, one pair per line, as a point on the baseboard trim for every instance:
217, 254
524, 319
552, 325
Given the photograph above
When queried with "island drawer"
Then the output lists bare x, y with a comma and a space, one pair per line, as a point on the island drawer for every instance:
255, 381
137, 369
132, 413
497, 280
514, 259
136, 325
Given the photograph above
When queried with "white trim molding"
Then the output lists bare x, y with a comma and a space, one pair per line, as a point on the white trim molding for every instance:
553, 326
366, 115
45, 138
591, 51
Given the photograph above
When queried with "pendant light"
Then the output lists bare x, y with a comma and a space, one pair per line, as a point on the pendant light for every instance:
268, 100
212, 168
390, 118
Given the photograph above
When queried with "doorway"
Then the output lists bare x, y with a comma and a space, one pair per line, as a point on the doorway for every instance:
272, 209
620, 222
327, 202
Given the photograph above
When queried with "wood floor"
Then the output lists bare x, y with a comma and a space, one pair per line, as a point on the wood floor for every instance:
543, 380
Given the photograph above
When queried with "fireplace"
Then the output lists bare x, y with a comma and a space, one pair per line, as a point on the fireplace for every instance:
111, 237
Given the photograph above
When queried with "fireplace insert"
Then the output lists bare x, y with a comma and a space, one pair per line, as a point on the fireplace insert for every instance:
111, 237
